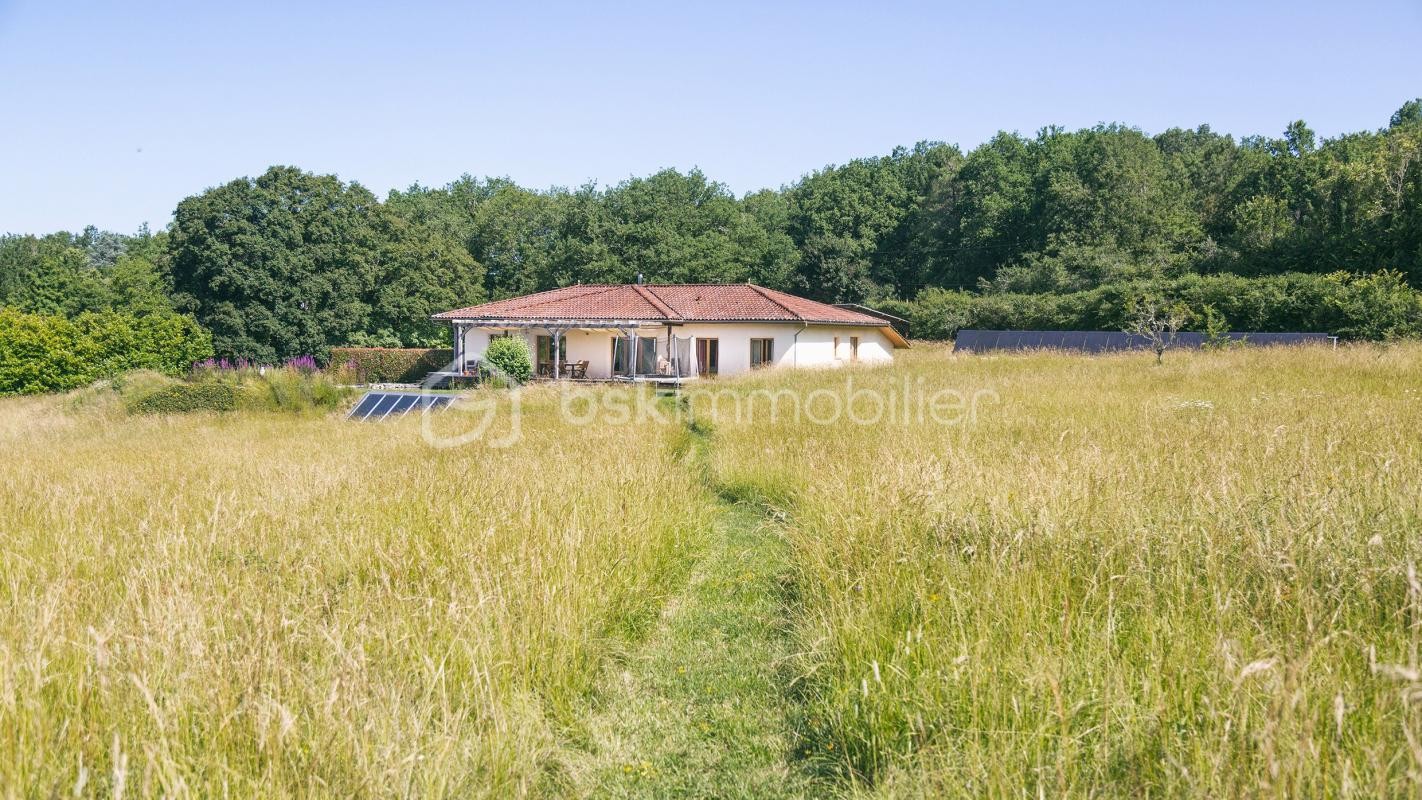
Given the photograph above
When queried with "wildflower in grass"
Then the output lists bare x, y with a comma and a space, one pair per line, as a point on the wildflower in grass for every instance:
302, 364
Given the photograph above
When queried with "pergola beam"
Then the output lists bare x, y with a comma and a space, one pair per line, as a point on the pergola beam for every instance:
565, 324
625, 329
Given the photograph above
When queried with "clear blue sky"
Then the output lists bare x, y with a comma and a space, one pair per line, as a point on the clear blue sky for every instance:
112, 112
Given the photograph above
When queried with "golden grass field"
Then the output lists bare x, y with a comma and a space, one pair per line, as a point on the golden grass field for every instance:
1192, 580
263, 605
1196, 580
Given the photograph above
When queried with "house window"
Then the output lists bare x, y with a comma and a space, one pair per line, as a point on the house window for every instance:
835, 352
854, 348
762, 352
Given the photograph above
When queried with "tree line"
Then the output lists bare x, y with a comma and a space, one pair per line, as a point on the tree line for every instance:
291, 263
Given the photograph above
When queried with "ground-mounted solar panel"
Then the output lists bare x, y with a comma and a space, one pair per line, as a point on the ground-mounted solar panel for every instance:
1095, 341
364, 406
967, 341
983, 341
383, 407
435, 401
376, 406
383, 402
1282, 338
404, 404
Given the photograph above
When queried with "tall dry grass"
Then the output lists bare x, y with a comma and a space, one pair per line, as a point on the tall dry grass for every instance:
269, 605
1194, 580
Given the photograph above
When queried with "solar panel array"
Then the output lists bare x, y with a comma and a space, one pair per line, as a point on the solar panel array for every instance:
974, 341
376, 406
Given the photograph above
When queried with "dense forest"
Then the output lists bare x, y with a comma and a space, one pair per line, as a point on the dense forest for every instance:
1053, 230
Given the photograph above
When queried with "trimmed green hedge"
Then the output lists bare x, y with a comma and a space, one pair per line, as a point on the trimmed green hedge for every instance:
390, 364
1377, 306
184, 397
44, 353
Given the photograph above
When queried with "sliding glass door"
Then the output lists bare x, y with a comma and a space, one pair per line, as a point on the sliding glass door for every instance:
545, 354
708, 356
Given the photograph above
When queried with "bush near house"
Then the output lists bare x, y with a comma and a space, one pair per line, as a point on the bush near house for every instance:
391, 364
511, 356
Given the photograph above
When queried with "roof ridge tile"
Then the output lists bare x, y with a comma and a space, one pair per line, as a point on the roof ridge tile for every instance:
763, 292
656, 302
597, 287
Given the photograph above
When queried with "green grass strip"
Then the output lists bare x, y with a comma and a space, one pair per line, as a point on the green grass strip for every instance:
700, 709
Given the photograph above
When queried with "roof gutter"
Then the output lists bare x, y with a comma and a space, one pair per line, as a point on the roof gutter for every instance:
563, 322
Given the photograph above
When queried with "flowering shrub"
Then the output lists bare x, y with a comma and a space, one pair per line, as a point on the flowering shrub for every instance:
305, 364
223, 365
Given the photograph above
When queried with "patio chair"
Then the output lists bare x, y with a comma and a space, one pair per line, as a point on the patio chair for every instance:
579, 370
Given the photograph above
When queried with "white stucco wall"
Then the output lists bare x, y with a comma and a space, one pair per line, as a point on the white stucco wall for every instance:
829, 345
794, 345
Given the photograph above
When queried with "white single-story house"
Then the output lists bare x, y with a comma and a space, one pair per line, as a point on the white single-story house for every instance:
600, 331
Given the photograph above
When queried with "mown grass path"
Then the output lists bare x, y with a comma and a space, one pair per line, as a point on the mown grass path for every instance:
700, 708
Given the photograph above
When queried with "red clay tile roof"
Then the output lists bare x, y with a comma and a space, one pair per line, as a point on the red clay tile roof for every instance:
687, 302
